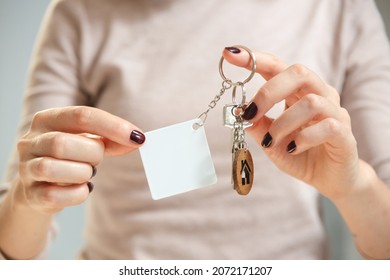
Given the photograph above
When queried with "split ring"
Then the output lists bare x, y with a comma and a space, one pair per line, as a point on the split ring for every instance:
253, 70
243, 95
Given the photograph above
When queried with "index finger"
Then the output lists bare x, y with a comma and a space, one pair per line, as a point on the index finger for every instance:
83, 119
267, 65
283, 82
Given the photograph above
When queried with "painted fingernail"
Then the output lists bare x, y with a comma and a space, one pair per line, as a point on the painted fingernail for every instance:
233, 50
291, 147
137, 137
267, 140
90, 186
94, 171
250, 111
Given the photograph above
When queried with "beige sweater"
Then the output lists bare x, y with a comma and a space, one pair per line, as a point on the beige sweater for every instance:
155, 63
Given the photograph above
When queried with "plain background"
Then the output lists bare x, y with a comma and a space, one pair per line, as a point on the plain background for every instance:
19, 23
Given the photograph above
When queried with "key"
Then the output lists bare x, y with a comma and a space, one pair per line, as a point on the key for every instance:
229, 117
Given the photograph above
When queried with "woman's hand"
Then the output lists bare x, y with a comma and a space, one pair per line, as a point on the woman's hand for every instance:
312, 139
59, 154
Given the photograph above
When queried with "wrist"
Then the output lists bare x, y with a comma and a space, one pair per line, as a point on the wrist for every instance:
365, 179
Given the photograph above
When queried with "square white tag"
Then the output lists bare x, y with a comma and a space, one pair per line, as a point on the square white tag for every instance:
177, 159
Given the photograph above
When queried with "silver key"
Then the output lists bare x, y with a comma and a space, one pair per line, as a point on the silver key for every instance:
229, 119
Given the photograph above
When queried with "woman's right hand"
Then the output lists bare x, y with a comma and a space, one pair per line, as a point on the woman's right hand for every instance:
59, 154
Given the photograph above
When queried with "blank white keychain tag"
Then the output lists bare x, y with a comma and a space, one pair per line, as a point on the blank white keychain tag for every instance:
177, 159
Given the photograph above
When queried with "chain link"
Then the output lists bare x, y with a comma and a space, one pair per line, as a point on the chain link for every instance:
226, 84
238, 136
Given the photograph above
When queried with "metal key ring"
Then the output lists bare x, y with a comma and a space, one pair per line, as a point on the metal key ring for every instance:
243, 95
253, 71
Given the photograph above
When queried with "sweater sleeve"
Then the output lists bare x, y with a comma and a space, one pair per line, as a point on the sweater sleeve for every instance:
53, 79
366, 91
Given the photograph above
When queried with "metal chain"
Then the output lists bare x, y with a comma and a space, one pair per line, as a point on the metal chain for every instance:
238, 136
226, 84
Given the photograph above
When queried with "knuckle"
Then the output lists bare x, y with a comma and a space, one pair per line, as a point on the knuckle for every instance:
38, 119
42, 169
313, 101
82, 115
300, 70
333, 126
23, 146
264, 93
57, 144
273, 63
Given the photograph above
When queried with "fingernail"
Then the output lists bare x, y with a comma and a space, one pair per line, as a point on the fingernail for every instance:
137, 137
94, 171
291, 147
250, 111
233, 50
90, 186
267, 140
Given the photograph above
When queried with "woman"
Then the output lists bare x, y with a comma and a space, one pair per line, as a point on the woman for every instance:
144, 65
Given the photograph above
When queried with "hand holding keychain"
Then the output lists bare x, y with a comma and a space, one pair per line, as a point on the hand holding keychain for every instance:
242, 163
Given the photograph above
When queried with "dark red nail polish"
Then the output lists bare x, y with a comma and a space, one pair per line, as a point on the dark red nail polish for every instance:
94, 171
250, 111
267, 140
291, 147
90, 186
137, 137
233, 50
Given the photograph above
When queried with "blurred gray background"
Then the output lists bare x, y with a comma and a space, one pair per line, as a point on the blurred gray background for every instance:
19, 23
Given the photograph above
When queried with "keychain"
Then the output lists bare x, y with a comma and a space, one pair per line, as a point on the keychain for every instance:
242, 162
191, 167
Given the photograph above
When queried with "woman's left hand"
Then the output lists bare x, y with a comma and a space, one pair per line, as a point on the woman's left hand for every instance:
312, 139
